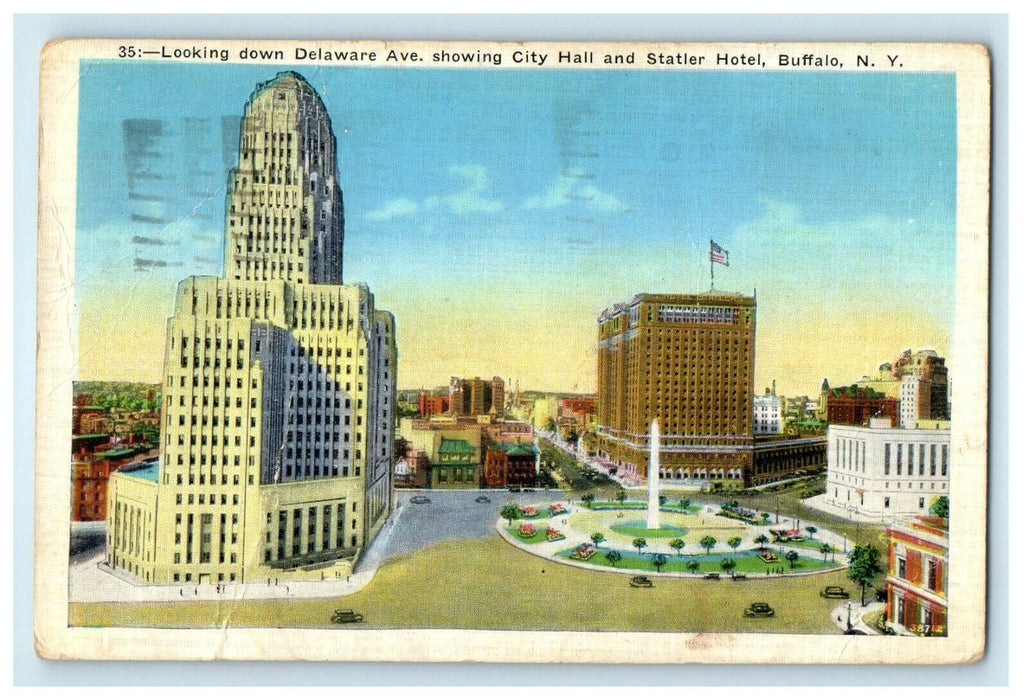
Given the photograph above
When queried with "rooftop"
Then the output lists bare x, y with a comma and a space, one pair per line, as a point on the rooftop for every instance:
454, 446
144, 470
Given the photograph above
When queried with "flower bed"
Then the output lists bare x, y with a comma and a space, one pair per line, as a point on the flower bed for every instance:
528, 511
554, 535
557, 509
584, 551
768, 555
527, 530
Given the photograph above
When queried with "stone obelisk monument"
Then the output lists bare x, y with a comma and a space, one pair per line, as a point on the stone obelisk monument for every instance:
653, 488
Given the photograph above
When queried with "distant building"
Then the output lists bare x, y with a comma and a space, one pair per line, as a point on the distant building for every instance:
917, 576
576, 415
882, 472
931, 371
91, 471
767, 414
477, 397
854, 405
433, 405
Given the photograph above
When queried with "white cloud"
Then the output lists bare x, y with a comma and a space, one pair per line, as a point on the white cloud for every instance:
566, 189
471, 198
393, 209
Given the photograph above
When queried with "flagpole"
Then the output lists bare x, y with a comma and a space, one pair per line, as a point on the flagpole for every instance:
711, 259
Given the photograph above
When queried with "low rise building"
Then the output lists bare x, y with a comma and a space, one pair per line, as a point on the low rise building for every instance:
881, 472
511, 464
854, 405
917, 576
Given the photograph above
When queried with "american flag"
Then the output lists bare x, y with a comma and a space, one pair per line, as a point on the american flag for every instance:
719, 254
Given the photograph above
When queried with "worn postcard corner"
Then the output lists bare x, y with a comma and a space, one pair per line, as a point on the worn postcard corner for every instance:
535, 352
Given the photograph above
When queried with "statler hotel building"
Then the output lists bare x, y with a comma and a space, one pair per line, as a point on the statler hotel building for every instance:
687, 360
279, 381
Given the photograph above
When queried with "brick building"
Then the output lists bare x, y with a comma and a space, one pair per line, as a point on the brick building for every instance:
916, 582
854, 405
510, 464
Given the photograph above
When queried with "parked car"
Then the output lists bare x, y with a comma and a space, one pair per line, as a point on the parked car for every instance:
420, 500
341, 617
759, 610
739, 577
834, 592
514, 489
713, 575
641, 582
853, 630
482, 499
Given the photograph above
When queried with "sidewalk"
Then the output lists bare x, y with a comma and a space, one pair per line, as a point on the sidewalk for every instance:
857, 613
91, 581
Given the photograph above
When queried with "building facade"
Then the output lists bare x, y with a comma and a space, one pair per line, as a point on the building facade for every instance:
767, 414
917, 577
477, 397
882, 472
686, 360
854, 405
279, 380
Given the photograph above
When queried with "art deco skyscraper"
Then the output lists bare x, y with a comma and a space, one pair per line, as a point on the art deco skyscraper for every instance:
279, 381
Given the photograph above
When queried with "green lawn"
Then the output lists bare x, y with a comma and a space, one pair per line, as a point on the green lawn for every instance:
638, 528
746, 562
540, 536
488, 584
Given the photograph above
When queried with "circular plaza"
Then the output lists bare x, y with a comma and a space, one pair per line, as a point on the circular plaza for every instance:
691, 540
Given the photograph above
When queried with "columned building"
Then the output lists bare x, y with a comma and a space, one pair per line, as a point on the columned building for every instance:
887, 473
279, 381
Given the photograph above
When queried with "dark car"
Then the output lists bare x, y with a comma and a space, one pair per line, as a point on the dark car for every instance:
739, 577
641, 582
420, 500
834, 592
759, 610
341, 617
856, 631
514, 489
713, 576
482, 499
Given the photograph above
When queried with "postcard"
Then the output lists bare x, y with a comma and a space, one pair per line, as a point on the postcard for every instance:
512, 352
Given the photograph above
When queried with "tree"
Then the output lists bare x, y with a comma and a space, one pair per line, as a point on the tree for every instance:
940, 508
677, 544
613, 556
811, 530
791, 557
761, 541
864, 566
621, 496
588, 499
659, 561
551, 425
735, 542
728, 565
662, 499
708, 542
692, 565
684, 503
511, 512
639, 543
766, 518
826, 549
597, 538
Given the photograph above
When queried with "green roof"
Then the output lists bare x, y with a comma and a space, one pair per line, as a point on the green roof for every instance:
89, 436
116, 452
516, 448
454, 446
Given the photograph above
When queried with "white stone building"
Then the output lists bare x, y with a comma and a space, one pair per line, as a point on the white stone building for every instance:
767, 415
885, 473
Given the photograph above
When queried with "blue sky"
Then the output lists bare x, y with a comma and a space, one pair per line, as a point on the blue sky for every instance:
497, 212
